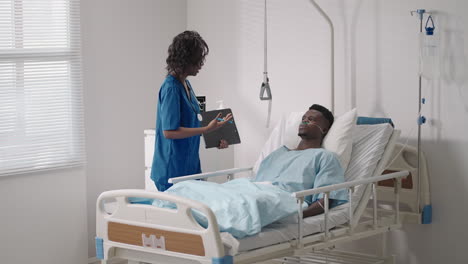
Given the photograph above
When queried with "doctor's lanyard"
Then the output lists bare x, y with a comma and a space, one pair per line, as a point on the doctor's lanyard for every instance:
199, 116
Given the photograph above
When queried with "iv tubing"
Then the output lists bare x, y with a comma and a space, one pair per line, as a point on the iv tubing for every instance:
332, 59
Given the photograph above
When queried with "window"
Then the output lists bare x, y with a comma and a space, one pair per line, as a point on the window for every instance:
41, 112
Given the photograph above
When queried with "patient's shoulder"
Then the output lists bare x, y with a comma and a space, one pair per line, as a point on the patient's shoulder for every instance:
330, 159
283, 148
327, 156
322, 152
277, 153
329, 153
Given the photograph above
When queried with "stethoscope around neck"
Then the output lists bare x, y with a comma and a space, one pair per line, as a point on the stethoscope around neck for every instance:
192, 93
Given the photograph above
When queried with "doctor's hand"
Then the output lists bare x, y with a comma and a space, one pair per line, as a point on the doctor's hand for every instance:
223, 144
218, 122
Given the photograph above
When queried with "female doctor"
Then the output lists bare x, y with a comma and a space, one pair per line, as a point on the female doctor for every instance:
178, 118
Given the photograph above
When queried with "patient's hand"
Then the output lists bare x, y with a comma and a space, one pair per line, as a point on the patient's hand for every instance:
314, 209
223, 144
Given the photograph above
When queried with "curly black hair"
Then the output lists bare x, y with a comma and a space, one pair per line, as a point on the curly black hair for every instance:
325, 112
187, 48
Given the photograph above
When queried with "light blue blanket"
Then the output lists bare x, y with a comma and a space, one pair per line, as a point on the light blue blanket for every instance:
241, 207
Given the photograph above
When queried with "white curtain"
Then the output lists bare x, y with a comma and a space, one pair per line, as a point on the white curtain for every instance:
41, 112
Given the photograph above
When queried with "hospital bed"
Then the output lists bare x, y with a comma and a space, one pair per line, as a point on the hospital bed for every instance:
145, 233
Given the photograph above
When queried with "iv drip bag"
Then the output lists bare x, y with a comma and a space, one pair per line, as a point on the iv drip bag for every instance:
428, 51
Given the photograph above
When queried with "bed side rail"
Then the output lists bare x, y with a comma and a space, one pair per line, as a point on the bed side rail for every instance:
300, 196
229, 172
166, 220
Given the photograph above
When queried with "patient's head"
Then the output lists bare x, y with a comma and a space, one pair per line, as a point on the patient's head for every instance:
315, 123
325, 112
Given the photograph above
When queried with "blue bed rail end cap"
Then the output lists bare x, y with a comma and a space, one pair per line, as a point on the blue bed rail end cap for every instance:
138, 200
427, 214
224, 260
364, 120
99, 248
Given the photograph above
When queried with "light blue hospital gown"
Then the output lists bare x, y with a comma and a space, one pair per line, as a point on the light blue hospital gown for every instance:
298, 170
243, 207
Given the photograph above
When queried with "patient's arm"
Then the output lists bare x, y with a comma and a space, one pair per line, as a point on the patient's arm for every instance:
315, 208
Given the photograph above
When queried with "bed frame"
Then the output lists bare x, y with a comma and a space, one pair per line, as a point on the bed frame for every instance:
145, 233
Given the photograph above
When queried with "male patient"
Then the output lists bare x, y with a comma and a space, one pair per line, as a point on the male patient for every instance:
242, 207
308, 165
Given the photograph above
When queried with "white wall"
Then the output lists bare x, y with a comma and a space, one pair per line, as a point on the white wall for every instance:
376, 70
43, 217
233, 70
213, 81
124, 51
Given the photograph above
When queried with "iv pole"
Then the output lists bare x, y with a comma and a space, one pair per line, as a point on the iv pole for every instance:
421, 118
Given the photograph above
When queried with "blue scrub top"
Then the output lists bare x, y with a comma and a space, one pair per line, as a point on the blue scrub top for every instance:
175, 157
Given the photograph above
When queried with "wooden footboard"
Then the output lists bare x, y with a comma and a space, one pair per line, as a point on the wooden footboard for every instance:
160, 230
157, 238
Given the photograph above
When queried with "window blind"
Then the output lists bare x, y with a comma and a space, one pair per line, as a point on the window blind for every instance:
41, 108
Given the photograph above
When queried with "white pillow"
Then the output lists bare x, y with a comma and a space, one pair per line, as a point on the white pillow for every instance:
339, 138
291, 129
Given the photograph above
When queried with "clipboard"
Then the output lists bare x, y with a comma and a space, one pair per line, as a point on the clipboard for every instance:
227, 132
